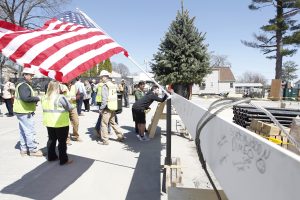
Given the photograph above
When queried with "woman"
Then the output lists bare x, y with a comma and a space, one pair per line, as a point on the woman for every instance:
87, 96
8, 95
56, 118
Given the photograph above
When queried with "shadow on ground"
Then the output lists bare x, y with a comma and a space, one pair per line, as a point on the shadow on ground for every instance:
145, 183
49, 179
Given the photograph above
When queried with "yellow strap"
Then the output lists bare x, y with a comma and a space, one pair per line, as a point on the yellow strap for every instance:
276, 141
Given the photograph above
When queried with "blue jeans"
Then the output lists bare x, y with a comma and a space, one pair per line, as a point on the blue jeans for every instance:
79, 103
27, 132
94, 98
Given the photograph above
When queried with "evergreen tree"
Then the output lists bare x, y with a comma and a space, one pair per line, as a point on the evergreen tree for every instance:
182, 58
105, 65
289, 71
281, 33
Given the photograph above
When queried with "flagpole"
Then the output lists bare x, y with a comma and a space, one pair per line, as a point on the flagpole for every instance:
134, 62
131, 59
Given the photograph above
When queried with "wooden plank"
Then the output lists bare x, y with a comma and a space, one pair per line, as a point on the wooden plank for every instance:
153, 125
275, 93
180, 193
245, 164
270, 129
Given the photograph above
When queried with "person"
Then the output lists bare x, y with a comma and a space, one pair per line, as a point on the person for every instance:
108, 107
94, 92
24, 107
123, 88
87, 96
99, 101
8, 95
69, 92
80, 93
56, 109
143, 105
138, 94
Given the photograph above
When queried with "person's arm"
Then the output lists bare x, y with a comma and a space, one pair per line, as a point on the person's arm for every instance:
25, 94
157, 98
104, 94
65, 103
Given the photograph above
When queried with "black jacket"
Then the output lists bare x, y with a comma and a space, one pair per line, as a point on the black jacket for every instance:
25, 93
145, 102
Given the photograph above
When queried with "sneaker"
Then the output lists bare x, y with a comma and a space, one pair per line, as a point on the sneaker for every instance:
37, 153
139, 137
105, 143
121, 139
77, 139
145, 138
23, 153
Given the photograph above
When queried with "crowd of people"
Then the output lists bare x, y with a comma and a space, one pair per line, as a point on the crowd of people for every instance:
62, 106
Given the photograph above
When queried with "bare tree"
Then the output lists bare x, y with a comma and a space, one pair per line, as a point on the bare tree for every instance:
121, 69
219, 61
252, 77
30, 13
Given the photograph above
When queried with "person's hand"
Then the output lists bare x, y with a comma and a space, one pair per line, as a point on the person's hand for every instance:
170, 90
148, 110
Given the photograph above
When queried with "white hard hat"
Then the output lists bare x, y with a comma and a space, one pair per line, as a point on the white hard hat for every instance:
113, 80
104, 73
28, 70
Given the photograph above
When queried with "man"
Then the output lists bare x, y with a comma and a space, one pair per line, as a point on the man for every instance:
124, 91
138, 94
141, 106
8, 95
80, 93
99, 101
24, 107
94, 92
70, 92
108, 107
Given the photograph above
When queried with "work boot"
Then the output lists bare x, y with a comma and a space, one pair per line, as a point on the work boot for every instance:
37, 153
23, 153
121, 139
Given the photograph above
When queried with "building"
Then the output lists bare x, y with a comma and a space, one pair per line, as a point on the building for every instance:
241, 88
297, 84
221, 80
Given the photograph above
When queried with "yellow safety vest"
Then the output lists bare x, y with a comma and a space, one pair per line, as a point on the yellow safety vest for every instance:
72, 94
112, 100
54, 115
99, 93
21, 106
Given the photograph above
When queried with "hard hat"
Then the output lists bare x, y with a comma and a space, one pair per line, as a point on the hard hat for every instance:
104, 73
28, 70
113, 80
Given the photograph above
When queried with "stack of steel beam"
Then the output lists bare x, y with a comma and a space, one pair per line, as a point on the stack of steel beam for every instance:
243, 114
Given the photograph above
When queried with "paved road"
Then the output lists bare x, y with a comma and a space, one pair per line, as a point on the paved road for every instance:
129, 170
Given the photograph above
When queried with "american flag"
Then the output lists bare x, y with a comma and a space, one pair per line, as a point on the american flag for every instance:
60, 50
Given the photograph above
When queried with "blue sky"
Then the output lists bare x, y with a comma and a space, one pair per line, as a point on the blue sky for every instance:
139, 26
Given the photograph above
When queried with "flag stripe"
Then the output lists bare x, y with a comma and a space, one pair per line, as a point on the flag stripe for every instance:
70, 52
69, 74
38, 46
60, 50
6, 26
